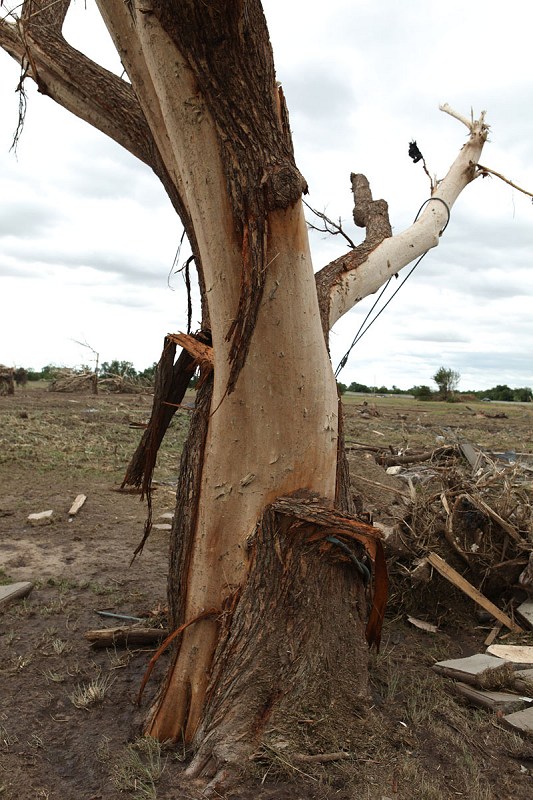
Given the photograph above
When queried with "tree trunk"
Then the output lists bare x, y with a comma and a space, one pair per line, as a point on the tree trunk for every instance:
267, 567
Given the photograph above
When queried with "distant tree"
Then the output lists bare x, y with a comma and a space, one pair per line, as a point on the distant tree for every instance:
421, 392
123, 368
523, 395
447, 380
148, 374
49, 372
501, 392
21, 376
341, 387
359, 387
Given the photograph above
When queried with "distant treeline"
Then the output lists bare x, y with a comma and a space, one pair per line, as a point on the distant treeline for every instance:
107, 369
500, 392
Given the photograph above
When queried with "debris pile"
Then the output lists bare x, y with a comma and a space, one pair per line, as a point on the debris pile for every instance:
466, 514
7, 380
88, 382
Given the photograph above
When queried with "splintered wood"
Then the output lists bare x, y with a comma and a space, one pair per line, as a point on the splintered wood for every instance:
77, 504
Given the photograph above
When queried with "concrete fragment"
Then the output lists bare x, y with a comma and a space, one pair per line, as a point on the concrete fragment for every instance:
162, 526
166, 515
525, 612
41, 518
484, 671
521, 721
13, 591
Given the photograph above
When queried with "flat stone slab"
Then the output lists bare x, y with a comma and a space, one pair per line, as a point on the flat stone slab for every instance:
525, 612
506, 702
162, 526
521, 721
41, 518
166, 515
14, 591
484, 671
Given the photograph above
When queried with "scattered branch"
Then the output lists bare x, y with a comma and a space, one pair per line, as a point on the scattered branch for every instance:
333, 228
484, 171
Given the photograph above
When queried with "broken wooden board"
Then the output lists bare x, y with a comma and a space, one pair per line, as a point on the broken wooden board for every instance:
520, 721
125, 636
14, 591
423, 625
461, 583
525, 613
41, 518
77, 504
481, 670
515, 653
506, 702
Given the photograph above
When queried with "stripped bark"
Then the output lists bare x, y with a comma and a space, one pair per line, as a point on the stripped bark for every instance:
204, 111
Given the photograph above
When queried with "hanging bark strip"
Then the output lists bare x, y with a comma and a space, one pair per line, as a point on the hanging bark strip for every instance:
171, 383
291, 649
213, 612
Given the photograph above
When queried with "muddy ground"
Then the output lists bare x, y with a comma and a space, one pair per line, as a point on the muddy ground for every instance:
69, 727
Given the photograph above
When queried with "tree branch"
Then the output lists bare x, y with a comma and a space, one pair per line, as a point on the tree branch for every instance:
91, 92
355, 275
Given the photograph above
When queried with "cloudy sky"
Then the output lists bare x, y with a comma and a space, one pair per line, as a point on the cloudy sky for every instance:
88, 238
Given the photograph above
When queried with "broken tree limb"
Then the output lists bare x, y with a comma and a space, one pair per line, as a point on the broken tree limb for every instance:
415, 458
461, 583
125, 636
509, 529
362, 271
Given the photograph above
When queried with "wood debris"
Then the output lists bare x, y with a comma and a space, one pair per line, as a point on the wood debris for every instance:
14, 591
465, 586
77, 504
516, 654
125, 636
505, 702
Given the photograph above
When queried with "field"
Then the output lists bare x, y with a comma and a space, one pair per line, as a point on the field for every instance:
69, 727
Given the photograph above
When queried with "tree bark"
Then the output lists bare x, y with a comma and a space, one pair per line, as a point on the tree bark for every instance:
266, 577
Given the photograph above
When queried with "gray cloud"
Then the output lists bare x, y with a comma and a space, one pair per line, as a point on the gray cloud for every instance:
26, 219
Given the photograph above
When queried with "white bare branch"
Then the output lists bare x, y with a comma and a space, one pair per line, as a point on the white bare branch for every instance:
353, 284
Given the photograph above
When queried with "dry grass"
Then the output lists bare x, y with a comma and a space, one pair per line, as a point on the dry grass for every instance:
89, 694
140, 769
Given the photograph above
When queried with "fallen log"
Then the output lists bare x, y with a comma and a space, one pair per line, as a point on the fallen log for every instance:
125, 636
415, 458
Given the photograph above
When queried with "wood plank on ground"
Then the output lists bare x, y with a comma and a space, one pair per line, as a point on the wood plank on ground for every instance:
77, 504
14, 591
507, 702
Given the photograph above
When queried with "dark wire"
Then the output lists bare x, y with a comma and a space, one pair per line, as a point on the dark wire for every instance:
362, 330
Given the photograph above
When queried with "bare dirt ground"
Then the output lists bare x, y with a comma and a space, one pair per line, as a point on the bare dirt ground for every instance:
69, 726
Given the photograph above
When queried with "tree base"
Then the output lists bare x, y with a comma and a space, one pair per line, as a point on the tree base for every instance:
289, 673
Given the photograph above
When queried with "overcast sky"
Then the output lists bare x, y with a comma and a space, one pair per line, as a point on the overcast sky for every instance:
88, 237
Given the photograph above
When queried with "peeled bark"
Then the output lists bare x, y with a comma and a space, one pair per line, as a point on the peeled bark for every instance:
272, 610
